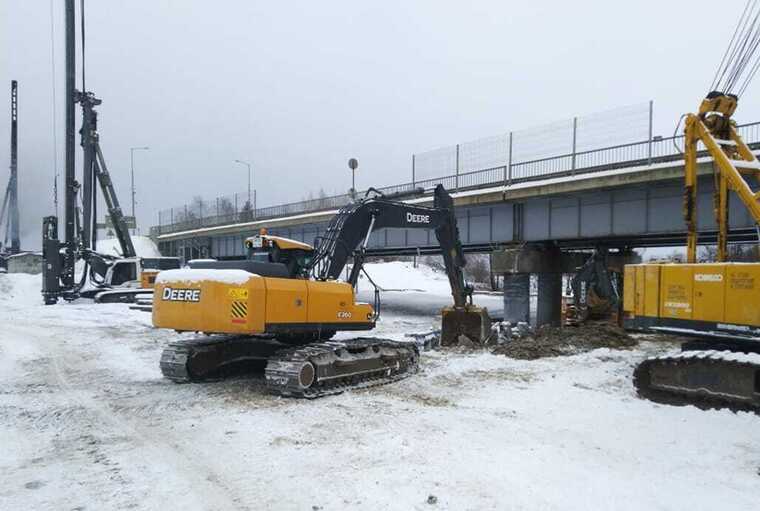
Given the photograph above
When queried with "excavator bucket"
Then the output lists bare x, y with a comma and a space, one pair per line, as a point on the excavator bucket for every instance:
471, 322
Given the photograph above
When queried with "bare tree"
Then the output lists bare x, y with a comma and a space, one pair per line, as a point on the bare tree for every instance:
322, 200
225, 207
246, 212
478, 268
192, 212
739, 253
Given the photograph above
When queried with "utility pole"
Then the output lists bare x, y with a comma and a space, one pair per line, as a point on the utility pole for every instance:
132, 172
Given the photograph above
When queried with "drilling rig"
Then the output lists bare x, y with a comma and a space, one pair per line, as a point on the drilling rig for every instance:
103, 277
9, 217
717, 303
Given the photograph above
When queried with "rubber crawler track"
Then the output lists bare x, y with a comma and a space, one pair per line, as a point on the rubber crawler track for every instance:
338, 365
725, 370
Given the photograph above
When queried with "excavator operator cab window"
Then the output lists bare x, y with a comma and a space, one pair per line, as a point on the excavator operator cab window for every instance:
259, 256
259, 250
262, 257
123, 272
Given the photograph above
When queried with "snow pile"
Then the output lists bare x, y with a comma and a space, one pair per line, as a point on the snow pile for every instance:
197, 275
422, 290
403, 276
20, 289
144, 247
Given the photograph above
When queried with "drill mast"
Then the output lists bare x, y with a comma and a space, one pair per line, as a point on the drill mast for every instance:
9, 216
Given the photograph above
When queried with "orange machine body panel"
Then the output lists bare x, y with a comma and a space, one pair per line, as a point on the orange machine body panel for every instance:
238, 302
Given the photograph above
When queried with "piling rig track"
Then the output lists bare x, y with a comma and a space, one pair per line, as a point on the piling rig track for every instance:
706, 379
312, 370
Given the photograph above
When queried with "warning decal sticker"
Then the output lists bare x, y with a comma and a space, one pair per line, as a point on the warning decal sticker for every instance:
238, 312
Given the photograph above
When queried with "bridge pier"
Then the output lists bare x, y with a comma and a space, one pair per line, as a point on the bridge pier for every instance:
517, 265
549, 301
517, 297
548, 264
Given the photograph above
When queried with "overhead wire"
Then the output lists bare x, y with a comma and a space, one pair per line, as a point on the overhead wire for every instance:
741, 44
728, 48
740, 61
748, 47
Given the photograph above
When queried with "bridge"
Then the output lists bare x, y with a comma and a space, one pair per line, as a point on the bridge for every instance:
622, 196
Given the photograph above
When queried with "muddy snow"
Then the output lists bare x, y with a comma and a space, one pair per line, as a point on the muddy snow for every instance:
87, 422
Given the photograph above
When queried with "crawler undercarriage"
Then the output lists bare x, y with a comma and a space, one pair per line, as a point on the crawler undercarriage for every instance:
310, 370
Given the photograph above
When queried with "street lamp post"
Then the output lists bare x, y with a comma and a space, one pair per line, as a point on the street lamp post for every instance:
247, 164
132, 174
353, 164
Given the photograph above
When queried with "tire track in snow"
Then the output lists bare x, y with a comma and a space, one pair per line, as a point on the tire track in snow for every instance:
209, 489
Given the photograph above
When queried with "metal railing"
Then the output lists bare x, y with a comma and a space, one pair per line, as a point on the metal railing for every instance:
226, 210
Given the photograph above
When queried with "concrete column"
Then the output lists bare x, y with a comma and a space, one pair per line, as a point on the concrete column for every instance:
549, 302
516, 297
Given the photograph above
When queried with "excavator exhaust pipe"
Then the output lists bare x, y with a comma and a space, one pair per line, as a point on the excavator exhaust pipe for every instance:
472, 322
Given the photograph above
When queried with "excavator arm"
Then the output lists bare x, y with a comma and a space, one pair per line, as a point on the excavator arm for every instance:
349, 232
348, 235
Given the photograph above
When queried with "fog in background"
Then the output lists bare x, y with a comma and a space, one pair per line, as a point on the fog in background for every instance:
299, 87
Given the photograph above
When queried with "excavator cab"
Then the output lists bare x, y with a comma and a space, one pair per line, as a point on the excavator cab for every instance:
295, 255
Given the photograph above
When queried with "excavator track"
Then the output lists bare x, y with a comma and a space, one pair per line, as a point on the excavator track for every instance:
312, 370
706, 379
207, 358
324, 368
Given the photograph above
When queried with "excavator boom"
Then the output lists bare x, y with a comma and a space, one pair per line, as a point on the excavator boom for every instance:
349, 231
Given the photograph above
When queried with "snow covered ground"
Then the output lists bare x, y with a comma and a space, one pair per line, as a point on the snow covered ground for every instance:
419, 291
144, 246
87, 422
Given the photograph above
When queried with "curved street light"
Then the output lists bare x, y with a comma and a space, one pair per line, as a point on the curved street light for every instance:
247, 164
132, 173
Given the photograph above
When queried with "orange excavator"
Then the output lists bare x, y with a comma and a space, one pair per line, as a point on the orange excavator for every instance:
281, 305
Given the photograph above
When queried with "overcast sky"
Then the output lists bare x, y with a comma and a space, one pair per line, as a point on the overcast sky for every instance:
299, 87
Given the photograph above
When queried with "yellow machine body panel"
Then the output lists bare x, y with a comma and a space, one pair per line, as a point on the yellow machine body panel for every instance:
641, 289
287, 300
723, 296
208, 304
629, 288
709, 292
652, 289
148, 278
743, 294
335, 304
237, 302
676, 291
